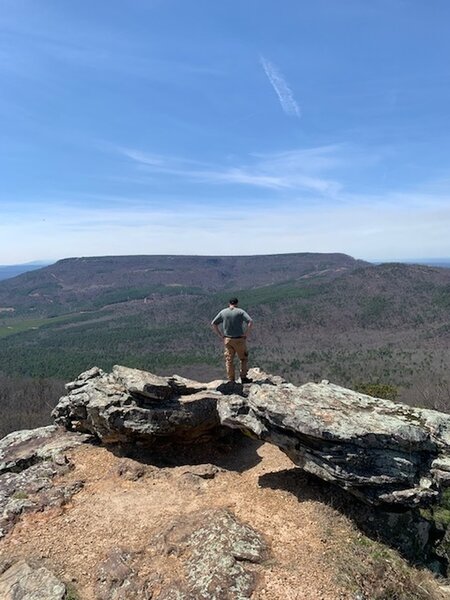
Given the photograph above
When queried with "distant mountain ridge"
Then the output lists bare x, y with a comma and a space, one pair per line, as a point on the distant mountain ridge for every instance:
429, 262
80, 283
8, 271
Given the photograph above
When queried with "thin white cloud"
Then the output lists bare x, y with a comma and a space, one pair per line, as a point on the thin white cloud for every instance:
32, 48
282, 90
294, 170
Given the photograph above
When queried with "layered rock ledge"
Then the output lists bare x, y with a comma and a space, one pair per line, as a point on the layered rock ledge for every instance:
128, 405
383, 452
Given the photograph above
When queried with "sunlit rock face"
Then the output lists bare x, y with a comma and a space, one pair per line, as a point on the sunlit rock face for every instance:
20, 581
383, 452
129, 405
29, 462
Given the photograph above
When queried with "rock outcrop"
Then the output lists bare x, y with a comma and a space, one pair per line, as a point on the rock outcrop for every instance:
227, 519
129, 405
29, 461
117, 580
212, 549
383, 452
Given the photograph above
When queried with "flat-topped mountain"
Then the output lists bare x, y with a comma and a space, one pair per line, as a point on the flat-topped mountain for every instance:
75, 283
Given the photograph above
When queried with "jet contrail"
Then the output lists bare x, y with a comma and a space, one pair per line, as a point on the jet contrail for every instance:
282, 90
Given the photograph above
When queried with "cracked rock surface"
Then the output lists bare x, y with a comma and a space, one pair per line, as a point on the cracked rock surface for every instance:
21, 582
129, 405
116, 579
383, 452
29, 461
214, 550
213, 521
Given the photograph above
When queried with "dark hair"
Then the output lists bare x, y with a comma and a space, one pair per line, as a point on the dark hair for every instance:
233, 301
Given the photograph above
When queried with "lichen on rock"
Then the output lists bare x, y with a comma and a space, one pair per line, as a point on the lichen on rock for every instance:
22, 582
29, 461
383, 452
214, 549
129, 405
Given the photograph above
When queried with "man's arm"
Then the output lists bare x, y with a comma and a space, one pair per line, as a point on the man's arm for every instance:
215, 324
247, 318
216, 330
249, 326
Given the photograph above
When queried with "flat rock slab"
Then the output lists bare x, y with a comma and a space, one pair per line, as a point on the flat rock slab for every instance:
21, 449
21, 582
129, 405
214, 550
381, 451
29, 461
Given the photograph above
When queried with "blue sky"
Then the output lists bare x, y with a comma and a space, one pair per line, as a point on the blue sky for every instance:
232, 127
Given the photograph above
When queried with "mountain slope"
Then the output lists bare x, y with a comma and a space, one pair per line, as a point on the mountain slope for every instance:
85, 283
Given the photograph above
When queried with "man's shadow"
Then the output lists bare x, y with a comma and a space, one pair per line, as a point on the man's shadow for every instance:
414, 537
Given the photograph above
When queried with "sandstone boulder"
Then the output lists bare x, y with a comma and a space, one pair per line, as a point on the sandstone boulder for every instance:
384, 453
129, 405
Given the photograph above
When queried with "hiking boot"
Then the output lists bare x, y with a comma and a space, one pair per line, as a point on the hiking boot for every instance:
246, 380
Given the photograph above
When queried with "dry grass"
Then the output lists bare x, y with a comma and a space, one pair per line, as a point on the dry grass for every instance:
376, 572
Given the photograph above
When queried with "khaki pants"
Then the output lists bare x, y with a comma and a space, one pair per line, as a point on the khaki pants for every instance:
236, 346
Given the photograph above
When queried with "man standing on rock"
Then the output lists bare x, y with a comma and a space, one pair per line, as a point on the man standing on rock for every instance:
236, 325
